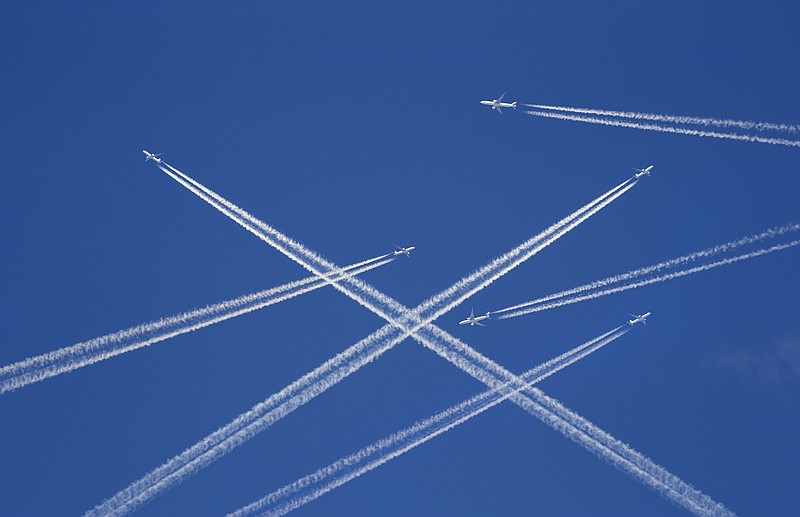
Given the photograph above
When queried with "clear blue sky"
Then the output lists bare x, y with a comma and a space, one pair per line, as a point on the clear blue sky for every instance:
355, 127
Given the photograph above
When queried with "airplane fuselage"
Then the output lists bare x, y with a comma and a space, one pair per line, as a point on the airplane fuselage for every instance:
639, 319
495, 104
151, 156
474, 320
405, 251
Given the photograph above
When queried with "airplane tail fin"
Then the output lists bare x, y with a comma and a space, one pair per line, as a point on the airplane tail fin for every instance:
514, 104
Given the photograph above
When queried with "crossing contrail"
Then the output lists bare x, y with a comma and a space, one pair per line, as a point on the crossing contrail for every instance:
458, 353
571, 425
665, 129
554, 414
656, 268
362, 292
676, 119
67, 359
264, 414
313, 486
296, 251
554, 302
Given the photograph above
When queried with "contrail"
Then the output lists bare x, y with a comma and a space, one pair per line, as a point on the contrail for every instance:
559, 302
677, 119
264, 414
666, 129
67, 359
571, 425
296, 251
661, 266
313, 486
359, 290
458, 353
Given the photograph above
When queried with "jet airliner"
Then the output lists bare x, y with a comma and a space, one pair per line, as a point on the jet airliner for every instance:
151, 156
497, 104
404, 251
642, 318
642, 172
475, 320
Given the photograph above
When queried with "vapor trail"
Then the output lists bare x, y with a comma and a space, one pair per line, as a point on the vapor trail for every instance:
458, 353
676, 119
365, 294
67, 359
264, 414
559, 302
666, 129
549, 411
316, 264
313, 486
661, 266
572, 425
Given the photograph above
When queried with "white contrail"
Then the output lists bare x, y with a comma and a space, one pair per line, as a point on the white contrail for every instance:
676, 119
67, 359
266, 413
460, 354
443, 344
571, 425
559, 302
448, 347
324, 480
661, 266
665, 129
313, 262
362, 292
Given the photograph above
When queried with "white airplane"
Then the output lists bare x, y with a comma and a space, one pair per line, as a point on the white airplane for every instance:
151, 156
640, 318
496, 104
404, 251
475, 320
642, 172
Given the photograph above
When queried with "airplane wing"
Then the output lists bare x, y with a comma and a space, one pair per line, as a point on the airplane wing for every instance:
471, 313
479, 323
501, 97
498, 109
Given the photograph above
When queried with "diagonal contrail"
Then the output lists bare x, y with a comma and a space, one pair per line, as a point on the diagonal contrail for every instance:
664, 129
650, 274
67, 359
322, 481
455, 351
676, 119
329, 373
492, 374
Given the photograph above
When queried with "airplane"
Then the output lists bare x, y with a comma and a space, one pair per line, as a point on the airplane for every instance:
475, 320
640, 318
496, 104
151, 156
642, 172
404, 251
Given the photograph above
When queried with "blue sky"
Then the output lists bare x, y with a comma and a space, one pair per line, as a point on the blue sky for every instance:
354, 127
